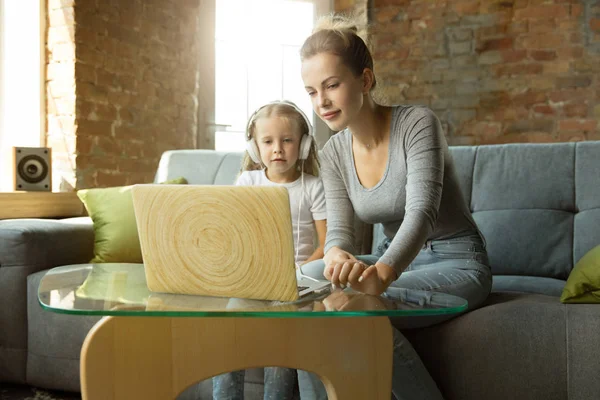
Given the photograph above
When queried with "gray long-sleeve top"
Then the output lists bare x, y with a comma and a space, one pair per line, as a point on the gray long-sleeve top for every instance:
418, 198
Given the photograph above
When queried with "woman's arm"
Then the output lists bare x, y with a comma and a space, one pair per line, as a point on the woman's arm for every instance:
424, 145
339, 241
321, 228
340, 212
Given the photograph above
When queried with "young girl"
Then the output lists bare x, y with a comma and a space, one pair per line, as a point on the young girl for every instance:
281, 151
388, 165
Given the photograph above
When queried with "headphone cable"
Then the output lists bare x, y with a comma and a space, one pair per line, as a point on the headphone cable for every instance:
299, 210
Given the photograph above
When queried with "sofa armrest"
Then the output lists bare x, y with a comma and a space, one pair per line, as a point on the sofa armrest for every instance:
38, 244
28, 246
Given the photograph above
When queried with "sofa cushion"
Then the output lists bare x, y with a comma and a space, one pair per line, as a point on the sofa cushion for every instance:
528, 284
200, 167
586, 232
54, 342
464, 161
587, 198
534, 242
587, 175
583, 347
583, 285
525, 209
517, 176
513, 347
115, 230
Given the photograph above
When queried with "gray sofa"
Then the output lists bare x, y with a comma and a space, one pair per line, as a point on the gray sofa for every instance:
538, 206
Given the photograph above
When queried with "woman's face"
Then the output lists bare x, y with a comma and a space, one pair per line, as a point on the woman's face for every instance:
336, 93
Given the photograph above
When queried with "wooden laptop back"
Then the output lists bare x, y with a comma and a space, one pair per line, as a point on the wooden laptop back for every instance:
229, 241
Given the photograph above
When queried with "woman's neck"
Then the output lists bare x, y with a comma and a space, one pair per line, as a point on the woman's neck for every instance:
372, 126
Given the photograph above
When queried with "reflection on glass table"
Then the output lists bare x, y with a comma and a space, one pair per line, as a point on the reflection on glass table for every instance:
120, 290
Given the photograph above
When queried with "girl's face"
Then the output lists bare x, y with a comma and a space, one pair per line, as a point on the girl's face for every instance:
278, 142
336, 93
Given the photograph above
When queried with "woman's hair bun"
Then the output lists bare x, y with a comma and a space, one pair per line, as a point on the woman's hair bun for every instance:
339, 34
336, 22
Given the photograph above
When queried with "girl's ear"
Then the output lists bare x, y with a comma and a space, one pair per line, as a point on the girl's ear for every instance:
368, 80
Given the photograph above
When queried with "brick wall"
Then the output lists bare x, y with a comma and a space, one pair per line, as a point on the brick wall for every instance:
494, 71
122, 79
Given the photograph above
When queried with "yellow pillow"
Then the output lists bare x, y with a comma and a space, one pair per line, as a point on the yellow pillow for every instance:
583, 284
115, 229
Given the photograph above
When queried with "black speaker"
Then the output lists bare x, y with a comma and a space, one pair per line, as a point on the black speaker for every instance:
33, 169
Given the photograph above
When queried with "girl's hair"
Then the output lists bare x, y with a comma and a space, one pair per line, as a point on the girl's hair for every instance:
281, 110
338, 34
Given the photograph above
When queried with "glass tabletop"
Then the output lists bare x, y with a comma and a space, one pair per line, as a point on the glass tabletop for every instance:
121, 290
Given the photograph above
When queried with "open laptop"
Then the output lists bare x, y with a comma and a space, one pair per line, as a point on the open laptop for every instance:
227, 241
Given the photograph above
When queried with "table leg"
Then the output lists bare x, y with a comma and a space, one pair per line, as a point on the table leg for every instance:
159, 357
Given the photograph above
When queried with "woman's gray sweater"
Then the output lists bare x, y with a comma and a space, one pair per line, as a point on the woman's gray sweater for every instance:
418, 198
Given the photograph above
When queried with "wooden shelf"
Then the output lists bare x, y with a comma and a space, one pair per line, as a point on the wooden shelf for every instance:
40, 205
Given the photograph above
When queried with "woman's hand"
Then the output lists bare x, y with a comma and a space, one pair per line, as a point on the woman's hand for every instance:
373, 279
335, 255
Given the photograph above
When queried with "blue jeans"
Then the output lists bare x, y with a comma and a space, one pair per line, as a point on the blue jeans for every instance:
457, 266
279, 384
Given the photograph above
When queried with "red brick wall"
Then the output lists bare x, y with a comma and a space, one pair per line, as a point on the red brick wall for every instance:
122, 81
494, 71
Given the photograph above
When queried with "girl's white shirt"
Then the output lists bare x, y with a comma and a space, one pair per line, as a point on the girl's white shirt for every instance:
313, 207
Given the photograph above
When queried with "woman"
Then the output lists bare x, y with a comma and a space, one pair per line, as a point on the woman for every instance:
388, 165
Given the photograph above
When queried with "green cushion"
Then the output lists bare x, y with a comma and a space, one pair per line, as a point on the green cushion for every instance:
583, 285
115, 229
122, 283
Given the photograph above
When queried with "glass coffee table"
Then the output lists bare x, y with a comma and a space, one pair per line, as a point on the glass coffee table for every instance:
154, 345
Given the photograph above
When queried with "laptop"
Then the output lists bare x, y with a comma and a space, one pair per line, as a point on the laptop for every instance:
224, 241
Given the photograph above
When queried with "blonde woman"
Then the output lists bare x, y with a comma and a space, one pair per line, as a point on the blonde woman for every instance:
388, 165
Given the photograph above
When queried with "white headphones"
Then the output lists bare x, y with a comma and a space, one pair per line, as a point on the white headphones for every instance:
305, 142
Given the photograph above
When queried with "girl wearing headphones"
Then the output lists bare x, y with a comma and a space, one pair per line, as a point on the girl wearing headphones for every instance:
281, 151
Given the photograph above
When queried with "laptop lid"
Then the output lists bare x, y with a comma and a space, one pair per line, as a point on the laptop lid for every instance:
210, 240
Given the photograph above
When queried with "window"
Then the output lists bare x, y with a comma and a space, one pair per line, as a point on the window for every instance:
22, 121
257, 46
